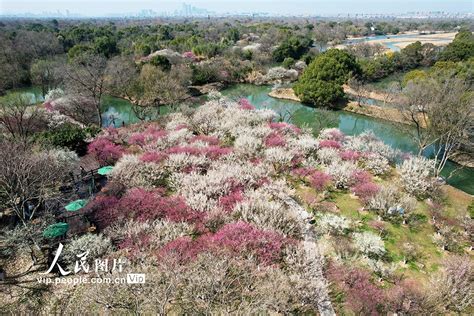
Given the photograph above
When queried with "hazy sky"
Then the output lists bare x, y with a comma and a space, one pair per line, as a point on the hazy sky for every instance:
102, 7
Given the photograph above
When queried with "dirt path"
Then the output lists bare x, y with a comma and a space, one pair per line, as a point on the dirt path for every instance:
313, 254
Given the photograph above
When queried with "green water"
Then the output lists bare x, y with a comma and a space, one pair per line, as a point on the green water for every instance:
33, 94
349, 123
118, 111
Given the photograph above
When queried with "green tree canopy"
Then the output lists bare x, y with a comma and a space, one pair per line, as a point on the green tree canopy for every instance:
321, 82
461, 48
414, 75
293, 47
161, 61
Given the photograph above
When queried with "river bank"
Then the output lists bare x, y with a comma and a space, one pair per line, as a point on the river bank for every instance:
290, 109
389, 114
285, 94
375, 95
399, 41
383, 113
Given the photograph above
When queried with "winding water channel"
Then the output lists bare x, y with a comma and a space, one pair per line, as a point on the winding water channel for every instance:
118, 112
349, 123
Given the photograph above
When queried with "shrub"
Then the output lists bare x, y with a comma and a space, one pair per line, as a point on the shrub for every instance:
205, 72
288, 62
293, 47
161, 61
415, 219
67, 135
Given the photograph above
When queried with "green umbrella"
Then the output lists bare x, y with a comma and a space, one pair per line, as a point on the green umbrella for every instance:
55, 230
105, 170
76, 205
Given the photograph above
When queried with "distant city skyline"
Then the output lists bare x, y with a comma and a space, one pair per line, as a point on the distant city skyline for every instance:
201, 7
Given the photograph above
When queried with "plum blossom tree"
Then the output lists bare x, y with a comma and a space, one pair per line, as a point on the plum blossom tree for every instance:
105, 151
369, 244
417, 175
452, 288
333, 224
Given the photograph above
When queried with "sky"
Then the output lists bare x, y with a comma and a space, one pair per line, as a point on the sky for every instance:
313, 7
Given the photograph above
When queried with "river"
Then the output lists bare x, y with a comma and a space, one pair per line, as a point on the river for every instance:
119, 112
349, 123
394, 42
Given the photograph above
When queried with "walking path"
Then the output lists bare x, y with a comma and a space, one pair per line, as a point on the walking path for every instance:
313, 255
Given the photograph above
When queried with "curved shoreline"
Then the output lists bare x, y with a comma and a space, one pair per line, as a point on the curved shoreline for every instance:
284, 93
387, 114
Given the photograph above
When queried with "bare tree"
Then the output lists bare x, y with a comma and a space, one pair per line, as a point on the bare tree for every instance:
366, 50
85, 84
18, 118
44, 74
441, 113
360, 89
391, 92
29, 177
148, 90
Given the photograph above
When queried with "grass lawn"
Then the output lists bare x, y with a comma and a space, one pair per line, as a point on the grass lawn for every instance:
429, 256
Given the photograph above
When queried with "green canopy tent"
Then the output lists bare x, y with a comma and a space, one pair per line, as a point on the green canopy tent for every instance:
55, 230
75, 205
105, 170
